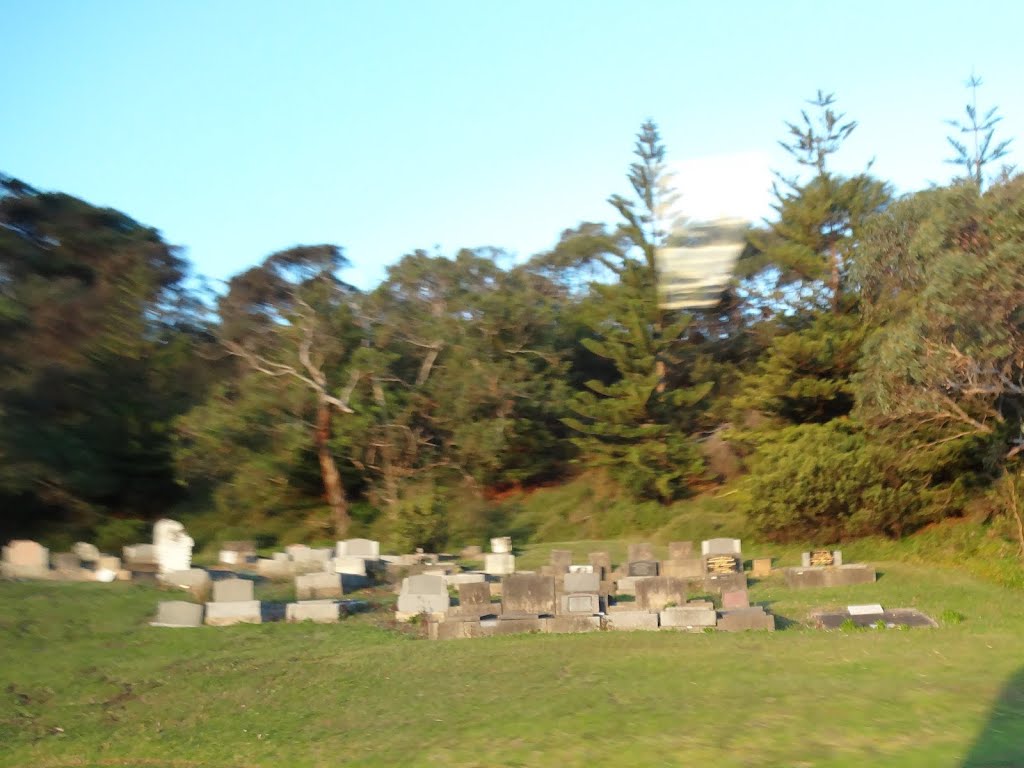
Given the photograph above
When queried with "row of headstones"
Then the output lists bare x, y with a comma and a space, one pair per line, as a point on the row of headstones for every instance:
356, 558
26, 559
233, 602
534, 602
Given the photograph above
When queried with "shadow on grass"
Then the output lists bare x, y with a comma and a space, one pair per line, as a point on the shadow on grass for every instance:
1001, 743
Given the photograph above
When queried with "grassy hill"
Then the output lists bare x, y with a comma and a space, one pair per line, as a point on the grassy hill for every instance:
87, 683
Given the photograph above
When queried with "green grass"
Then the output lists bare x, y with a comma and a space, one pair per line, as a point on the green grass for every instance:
87, 683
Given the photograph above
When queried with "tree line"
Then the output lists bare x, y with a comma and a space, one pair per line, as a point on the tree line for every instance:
863, 372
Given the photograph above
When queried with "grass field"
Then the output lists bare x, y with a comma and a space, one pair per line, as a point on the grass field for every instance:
86, 682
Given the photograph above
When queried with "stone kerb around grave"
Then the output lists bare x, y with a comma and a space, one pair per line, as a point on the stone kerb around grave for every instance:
318, 586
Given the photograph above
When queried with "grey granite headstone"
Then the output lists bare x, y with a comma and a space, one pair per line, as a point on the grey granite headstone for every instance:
318, 586
232, 591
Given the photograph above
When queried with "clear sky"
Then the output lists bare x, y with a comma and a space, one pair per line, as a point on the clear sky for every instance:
239, 128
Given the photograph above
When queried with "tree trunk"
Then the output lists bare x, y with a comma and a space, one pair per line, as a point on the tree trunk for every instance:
834, 282
329, 470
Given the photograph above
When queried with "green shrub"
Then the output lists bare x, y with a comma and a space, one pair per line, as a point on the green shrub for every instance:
114, 533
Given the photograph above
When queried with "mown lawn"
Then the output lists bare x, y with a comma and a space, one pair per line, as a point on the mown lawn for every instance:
86, 682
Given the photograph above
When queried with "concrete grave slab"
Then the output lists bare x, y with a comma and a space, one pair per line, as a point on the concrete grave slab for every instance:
896, 617
578, 568
514, 625
687, 617
238, 612
627, 621
627, 584
178, 613
834, 576
658, 592
571, 624
745, 619
735, 598
351, 565
318, 611
761, 567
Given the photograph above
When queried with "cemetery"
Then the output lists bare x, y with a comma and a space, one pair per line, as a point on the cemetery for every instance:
607, 623
681, 592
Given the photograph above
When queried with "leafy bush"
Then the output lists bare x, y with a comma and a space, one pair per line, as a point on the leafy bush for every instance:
114, 533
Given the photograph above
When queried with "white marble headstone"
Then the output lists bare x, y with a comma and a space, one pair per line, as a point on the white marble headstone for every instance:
173, 546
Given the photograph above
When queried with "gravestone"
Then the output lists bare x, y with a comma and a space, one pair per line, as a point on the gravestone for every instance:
473, 577
423, 594
761, 567
528, 593
501, 545
172, 545
499, 563
368, 549
659, 592
318, 586
572, 623
561, 559
643, 551
735, 598
23, 558
680, 550
642, 568
195, 580
232, 591
685, 568
603, 561
87, 553
475, 600
582, 582
720, 547
317, 611
178, 613
581, 569
276, 570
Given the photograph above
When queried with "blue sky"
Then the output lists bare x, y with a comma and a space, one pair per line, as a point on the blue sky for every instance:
239, 128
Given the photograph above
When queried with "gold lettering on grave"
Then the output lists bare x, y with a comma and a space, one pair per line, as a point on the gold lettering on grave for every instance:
822, 557
722, 564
